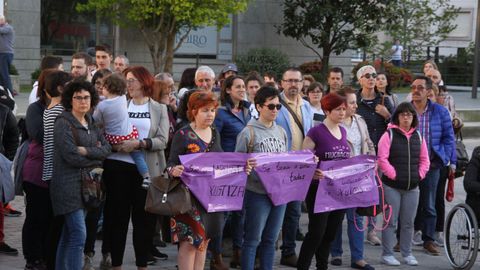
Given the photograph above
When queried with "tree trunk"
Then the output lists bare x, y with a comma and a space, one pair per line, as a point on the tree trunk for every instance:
325, 63
168, 65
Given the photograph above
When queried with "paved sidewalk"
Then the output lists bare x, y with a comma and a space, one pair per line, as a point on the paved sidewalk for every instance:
13, 229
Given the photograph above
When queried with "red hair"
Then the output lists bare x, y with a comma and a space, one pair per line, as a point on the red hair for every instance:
198, 100
143, 76
331, 101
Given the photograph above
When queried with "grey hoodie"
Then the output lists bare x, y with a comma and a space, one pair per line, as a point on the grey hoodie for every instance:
266, 140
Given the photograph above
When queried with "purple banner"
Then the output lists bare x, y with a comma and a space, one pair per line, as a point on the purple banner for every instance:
216, 179
286, 176
348, 183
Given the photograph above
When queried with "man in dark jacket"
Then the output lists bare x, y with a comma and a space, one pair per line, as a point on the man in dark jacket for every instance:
8, 147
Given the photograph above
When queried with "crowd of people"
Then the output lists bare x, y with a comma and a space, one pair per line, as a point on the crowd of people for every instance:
135, 126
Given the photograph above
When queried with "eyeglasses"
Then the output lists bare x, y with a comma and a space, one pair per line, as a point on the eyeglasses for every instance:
272, 107
130, 81
369, 75
291, 81
406, 114
418, 87
80, 98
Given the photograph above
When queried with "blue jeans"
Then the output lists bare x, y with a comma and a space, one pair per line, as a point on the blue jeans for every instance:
263, 221
290, 226
355, 237
426, 213
72, 241
5, 62
237, 224
139, 159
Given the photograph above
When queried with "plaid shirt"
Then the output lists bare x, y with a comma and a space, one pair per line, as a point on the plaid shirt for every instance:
424, 127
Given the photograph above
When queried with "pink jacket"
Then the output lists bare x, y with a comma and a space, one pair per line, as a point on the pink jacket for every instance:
384, 152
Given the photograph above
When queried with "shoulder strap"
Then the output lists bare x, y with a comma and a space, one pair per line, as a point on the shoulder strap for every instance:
294, 115
251, 141
420, 137
74, 132
391, 136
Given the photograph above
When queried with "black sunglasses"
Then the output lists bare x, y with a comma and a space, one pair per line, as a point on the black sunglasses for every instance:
368, 75
271, 107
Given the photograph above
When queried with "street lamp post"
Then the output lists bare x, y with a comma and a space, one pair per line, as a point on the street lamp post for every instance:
477, 54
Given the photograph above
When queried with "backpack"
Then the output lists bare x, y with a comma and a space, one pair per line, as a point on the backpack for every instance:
17, 166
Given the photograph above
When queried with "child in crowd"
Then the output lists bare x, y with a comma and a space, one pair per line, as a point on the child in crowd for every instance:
112, 112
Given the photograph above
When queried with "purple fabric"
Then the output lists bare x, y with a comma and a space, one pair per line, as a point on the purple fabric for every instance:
327, 147
216, 179
33, 165
286, 176
348, 183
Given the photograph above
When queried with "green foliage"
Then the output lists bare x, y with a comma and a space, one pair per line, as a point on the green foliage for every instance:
35, 74
419, 23
332, 25
263, 60
399, 77
159, 21
12, 70
313, 68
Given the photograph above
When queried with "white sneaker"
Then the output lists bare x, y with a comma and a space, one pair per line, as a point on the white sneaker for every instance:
390, 260
373, 239
438, 238
410, 260
417, 238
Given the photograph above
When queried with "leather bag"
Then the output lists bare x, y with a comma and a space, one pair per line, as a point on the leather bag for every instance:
462, 156
168, 197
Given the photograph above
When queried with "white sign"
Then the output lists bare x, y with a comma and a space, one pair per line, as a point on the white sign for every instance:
201, 41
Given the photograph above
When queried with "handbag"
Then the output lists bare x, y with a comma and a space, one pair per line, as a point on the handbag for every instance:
168, 197
92, 190
462, 156
450, 188
92, 187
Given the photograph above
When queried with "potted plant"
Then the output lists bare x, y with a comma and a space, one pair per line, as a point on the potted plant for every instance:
15, 78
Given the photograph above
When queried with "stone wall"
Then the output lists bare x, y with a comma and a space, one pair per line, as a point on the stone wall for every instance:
24, 16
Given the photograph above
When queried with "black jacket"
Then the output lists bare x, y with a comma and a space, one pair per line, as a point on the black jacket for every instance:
375, 122
8, 132
471, 182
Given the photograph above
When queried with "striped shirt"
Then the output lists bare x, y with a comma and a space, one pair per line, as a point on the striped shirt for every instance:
49, 116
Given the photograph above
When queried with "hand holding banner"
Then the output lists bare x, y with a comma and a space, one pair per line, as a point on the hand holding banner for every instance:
348, 183
286, 176
216, 179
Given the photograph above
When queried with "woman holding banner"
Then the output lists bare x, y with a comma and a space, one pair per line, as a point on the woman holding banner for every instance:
194, 229
231, 118
401, 176
328, 140
263, 220
360, 143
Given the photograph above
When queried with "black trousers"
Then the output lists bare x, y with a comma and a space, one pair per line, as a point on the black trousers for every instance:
440, 199
91, 224
125, 199
38, 219
322, 228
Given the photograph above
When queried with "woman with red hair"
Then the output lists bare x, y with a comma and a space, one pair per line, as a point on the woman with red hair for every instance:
194, 229
328, 141
125, 195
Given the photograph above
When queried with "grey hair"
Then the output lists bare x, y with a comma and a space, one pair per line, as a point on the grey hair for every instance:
125, 59
2, 17
162, 76
205, 69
